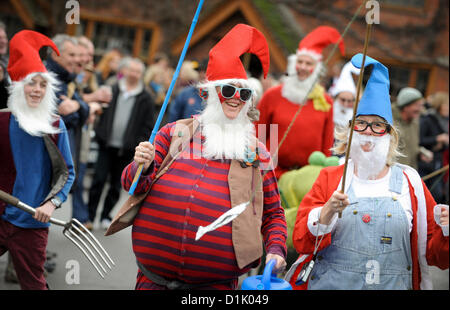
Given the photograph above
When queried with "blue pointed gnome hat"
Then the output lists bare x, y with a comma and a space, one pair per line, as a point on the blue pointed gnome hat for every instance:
376, 99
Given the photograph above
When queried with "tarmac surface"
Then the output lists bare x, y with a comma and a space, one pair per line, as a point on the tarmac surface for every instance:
122, 276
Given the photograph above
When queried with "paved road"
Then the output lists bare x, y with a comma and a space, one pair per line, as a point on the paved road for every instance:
123, 274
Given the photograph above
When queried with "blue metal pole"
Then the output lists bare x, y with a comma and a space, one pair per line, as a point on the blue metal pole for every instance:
169, 92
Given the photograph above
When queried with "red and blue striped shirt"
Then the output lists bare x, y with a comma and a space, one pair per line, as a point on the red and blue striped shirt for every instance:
194, 192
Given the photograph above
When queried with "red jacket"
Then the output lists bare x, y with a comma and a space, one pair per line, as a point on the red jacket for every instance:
435, 249
311, 131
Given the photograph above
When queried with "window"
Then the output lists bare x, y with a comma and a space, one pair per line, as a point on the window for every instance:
423, 76
399, 78
107, 36
139, 39
146, 42
408, 77
81, 28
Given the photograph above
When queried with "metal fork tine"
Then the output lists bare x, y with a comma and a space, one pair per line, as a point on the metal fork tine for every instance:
86, 247
95, 240
71, 231
65, 233
78, 235
89, 238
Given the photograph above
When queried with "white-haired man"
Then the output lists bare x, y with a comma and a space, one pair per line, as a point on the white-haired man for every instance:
126, 121
220, 167
35, 160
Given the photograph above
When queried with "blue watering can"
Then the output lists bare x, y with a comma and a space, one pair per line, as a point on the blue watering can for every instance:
267, 281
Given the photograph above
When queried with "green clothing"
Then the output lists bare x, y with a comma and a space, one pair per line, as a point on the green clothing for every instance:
408, 139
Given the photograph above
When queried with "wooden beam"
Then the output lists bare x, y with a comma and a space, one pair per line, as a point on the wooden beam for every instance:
413, 78
89, 31
137, 44
71, 29
349, 53
87, 15
431, 86
154, 44
23, 13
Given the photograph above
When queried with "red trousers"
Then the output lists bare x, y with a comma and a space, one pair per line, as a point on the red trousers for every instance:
27, 248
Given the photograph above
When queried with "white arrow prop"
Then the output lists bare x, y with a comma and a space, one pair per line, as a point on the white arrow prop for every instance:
222, 220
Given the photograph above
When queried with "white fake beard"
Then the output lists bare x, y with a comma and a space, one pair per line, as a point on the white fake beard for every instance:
295, 90
224, 138
341, 115
369, 164
36, 121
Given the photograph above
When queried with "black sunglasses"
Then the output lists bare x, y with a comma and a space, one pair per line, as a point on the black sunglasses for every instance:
228, 91
377, 127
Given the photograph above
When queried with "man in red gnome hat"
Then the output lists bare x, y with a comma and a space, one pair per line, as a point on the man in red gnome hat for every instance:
35, 160
220, 168
314, 125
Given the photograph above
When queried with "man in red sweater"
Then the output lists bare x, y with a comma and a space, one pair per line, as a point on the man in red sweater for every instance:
313, 128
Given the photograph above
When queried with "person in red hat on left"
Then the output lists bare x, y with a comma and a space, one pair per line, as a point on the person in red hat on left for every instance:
35, 160
221, 167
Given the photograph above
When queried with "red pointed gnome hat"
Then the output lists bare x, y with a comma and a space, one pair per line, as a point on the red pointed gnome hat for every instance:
24, 54
315, 41
224, 62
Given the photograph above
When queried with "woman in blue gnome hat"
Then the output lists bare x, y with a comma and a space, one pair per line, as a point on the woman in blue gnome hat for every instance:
391, 229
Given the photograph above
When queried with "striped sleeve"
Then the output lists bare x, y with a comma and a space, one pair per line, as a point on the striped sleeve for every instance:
162, 144
273, 228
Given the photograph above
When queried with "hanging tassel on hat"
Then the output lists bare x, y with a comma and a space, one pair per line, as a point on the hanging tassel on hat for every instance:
253, 113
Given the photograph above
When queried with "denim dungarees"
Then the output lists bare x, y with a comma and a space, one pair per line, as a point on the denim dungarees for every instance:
370, 246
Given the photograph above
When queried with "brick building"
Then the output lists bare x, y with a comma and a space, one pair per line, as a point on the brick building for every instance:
411, 38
